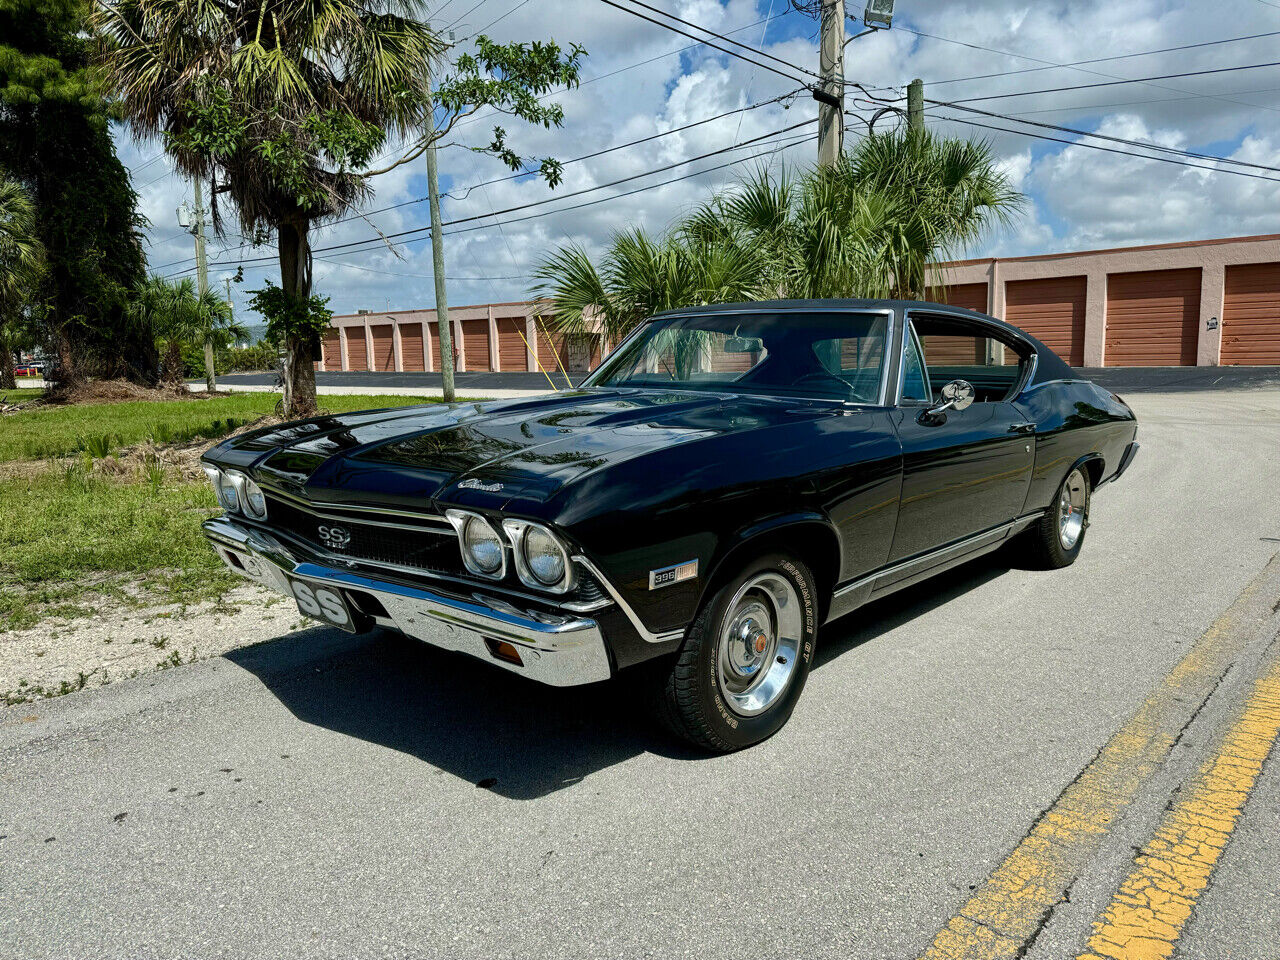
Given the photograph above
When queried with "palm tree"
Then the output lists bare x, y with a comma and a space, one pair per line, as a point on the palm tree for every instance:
943, 194
639, 276
868, 227
176, 315
280, 106
21, 265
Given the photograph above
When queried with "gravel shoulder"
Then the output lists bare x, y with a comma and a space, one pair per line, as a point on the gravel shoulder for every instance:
119, 641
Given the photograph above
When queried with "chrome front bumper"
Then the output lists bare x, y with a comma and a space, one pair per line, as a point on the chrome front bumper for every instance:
557, 650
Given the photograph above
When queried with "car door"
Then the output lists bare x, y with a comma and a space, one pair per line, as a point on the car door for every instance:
963, 471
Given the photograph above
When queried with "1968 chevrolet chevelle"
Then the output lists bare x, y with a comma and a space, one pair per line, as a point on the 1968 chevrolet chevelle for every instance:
729, 479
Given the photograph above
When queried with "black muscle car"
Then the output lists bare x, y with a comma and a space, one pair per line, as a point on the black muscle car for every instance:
728, 480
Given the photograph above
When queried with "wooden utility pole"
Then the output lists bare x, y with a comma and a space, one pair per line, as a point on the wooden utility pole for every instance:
915, 104
437, 266
831, 66
202, 281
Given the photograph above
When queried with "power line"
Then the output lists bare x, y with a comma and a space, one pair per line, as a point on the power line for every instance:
666, 26
421, 231
498, 19
587, 156
1128, 103
1080, 63
785, 144
1114, 83
1096, 146
1102, 136
755, 51
597, 153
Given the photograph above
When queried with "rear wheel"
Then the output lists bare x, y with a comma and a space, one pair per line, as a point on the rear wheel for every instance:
745, 658
1056, 539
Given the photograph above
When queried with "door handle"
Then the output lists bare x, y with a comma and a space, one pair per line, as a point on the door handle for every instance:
1025, 427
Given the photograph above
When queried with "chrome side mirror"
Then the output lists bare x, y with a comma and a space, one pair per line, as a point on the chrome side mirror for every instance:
956, 395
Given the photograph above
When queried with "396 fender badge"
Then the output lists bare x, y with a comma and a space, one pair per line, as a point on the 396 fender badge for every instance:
666, 576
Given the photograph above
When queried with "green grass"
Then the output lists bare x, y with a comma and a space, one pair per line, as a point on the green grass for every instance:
20, 394
69, 536
57, 431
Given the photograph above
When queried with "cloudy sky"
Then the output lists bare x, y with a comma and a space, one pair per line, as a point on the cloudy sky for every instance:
641, 80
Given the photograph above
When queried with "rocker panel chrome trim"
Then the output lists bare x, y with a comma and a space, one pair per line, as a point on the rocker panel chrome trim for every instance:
937, 554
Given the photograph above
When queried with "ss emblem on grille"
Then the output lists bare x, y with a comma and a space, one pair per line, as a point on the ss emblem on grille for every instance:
335, 538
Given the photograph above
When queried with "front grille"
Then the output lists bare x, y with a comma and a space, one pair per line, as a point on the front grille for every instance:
433, 549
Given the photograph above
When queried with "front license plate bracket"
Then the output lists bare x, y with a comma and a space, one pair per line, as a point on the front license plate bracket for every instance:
329, 605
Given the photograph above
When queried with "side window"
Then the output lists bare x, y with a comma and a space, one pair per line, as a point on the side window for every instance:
915, 386
955, 349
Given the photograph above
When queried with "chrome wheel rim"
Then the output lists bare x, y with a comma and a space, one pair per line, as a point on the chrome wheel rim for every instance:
1071, 509
758, 645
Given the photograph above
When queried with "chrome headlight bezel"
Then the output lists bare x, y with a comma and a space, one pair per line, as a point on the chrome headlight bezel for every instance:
517, 531
248, 489
461, 520
226, 479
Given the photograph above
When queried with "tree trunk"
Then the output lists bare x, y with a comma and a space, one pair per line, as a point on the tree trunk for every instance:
295, 280
210, 375
7, 377
172, 371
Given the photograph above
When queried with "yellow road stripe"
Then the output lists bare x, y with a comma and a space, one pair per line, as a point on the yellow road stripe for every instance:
1148, 912
1008, 910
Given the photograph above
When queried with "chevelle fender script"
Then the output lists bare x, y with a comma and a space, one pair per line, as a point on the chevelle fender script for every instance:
729, 479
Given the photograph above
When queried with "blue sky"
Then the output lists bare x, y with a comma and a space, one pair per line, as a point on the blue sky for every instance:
1080, 197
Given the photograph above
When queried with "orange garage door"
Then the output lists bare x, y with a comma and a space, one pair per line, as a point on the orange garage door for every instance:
971, 296
550, 357
357, 354
475, 341
1251, 315
512, 353
384, 357
411, 346
1153, 318
1052, 311
332, 349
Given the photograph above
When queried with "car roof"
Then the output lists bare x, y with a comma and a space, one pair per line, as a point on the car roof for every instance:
1050, 365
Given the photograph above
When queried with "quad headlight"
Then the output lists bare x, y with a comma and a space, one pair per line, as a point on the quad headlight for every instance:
237, 493
541, 559
483, 552
224, 486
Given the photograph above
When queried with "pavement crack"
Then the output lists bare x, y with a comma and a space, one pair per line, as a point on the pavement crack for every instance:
1196, 712
1045, 916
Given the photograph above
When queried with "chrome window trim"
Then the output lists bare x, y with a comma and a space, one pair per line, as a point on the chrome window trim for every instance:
665, 637
434, 522
889, 333
936, 553
1021, 384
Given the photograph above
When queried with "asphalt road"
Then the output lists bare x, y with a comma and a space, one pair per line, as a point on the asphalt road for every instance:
328, 796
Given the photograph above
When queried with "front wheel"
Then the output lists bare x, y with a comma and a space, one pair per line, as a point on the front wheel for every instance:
745, 658
1056, 539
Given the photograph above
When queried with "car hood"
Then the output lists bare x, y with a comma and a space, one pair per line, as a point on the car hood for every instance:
487, 454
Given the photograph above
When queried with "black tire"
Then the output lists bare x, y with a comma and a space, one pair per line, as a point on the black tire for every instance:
692, 702
1045, 547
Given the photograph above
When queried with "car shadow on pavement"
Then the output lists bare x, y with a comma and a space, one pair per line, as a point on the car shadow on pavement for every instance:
517, 738
502, 732
880, 616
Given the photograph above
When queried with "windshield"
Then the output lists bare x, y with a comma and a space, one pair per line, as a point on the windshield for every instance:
836, 356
